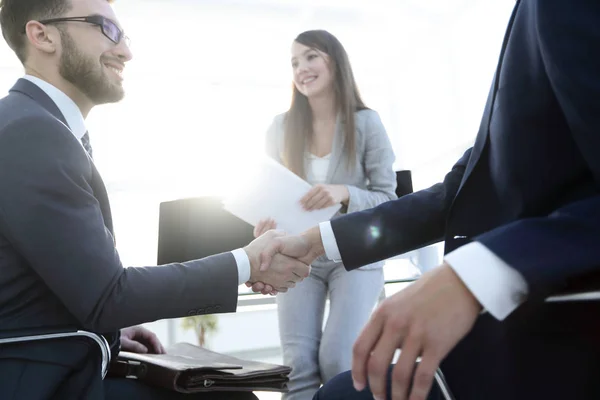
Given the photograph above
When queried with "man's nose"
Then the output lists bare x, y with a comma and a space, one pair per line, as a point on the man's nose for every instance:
123, 50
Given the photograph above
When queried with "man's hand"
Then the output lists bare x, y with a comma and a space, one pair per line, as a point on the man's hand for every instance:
427, 319
321, 196
138, 339
285, 270
306, 248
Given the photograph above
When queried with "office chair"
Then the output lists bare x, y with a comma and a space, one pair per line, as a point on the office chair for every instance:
404, 184
96, 338
198, 227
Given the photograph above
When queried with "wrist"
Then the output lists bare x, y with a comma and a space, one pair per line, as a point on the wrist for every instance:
254, 262
345, 194
458, 283
314, 241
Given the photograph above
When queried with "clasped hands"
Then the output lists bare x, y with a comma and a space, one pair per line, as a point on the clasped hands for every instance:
425, 320
279, 261
273, 268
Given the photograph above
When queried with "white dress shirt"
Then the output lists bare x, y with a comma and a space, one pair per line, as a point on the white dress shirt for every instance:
67, 107
76, 123
498, 287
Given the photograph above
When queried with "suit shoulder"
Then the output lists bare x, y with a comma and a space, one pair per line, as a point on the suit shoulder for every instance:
367, 116
368, 122
37, 136
279, 120
19, 111
24, 113
277, 127
30, 125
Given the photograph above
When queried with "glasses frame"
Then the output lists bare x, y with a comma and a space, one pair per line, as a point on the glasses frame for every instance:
97, 20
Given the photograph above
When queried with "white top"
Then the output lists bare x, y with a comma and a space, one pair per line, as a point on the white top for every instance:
498, 287
316, 168
75, 120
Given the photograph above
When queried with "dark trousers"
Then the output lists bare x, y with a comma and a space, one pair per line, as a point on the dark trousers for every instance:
130, 389
340, 388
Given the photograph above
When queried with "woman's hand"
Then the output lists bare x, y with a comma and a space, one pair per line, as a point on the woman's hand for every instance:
263, 226
321, 196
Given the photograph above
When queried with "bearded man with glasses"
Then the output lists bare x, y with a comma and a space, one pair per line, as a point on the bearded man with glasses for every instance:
59, 269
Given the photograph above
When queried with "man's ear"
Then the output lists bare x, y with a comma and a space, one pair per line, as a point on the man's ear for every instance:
42, 37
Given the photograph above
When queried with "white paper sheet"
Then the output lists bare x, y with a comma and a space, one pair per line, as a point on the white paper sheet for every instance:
269, 190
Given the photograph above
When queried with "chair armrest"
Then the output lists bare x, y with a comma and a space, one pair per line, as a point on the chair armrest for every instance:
583, 296
98, 339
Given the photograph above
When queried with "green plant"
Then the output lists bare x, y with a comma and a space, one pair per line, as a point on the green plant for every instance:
202, 326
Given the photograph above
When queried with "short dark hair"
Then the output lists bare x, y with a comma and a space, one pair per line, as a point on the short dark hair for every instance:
15, 14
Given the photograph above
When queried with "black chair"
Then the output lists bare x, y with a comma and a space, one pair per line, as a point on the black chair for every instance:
198, 227
404, 184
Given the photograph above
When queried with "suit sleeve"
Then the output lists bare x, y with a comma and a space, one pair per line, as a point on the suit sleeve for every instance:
379, 167
50, 216
398, 226
552, 250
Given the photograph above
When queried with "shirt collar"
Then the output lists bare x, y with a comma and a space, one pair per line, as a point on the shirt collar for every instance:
67, 107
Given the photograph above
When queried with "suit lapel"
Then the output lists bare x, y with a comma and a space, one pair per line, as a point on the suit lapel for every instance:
484, 129
337, 149
33, 91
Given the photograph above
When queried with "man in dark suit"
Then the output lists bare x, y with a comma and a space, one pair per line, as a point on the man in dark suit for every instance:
59, 269
520, 217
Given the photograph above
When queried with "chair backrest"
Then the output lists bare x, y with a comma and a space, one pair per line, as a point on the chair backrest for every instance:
198, 227
403, 183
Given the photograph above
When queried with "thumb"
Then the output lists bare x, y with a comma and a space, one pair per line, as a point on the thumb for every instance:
266, 255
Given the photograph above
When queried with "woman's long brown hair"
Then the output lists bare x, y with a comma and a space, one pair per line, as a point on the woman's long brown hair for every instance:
298, 121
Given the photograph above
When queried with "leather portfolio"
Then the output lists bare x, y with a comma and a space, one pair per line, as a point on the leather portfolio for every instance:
187, 368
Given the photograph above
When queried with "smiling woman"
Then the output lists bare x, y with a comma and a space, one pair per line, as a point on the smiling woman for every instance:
331, 139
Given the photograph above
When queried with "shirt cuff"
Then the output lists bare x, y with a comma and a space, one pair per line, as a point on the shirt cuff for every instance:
332, 250
498, 287
243, 265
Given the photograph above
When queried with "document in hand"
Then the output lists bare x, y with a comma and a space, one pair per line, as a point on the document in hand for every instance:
269, 190
189, 369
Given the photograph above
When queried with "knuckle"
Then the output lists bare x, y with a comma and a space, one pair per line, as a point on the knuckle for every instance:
398, 323
423, 378
377, 365
401, 375
417, 333
359, 350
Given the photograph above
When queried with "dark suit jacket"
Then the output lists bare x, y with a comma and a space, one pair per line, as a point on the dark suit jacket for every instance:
529, 190
58, 264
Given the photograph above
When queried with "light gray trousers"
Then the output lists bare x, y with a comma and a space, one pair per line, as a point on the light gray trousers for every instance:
315, 354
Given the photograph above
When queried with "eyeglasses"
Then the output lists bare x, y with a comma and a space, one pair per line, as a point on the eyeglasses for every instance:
109, 27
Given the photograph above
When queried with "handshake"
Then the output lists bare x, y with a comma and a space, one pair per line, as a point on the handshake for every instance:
279, 261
